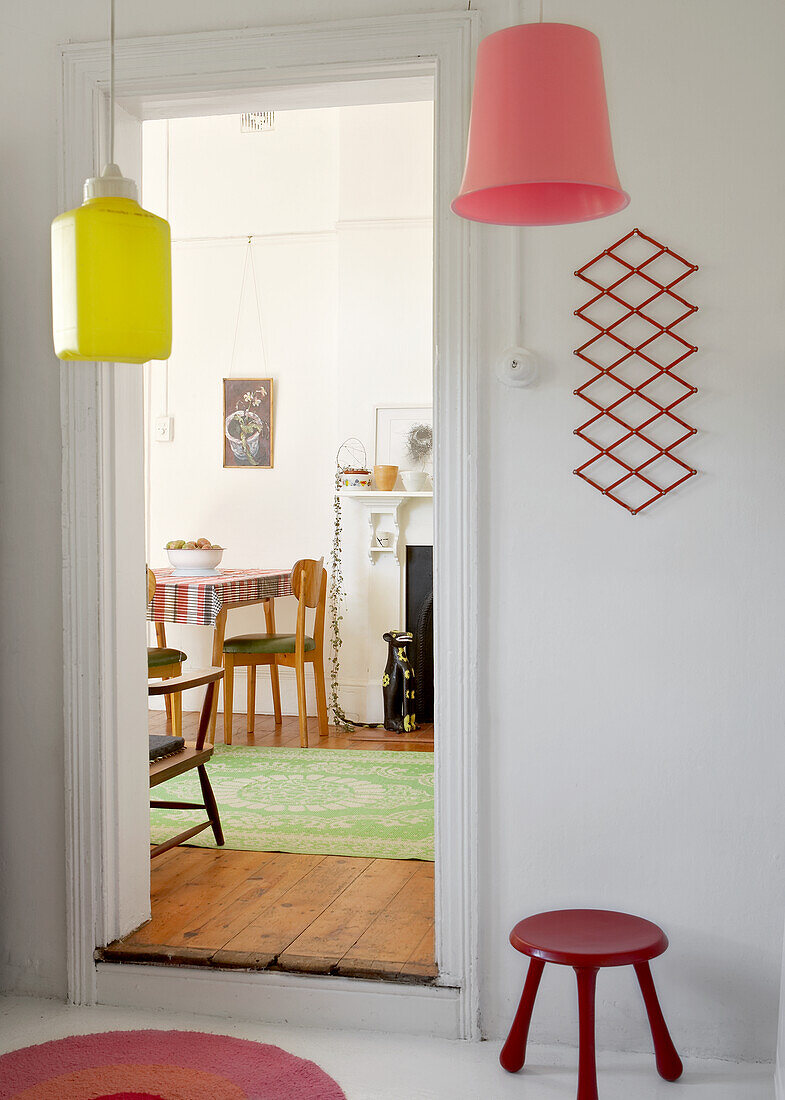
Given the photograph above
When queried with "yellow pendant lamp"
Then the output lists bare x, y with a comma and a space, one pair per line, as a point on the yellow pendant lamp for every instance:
111, 270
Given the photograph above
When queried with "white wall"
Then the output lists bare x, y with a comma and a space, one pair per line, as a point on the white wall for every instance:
32, 866
632, 685
339, 204
779, 1070
636, 763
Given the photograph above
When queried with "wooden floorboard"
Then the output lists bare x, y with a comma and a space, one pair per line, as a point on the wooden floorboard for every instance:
356, 917
423, 735
218, 927
287, 735
334, 931
396, 933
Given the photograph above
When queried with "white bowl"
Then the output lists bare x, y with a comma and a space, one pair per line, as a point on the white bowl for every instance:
190, 563
414, 481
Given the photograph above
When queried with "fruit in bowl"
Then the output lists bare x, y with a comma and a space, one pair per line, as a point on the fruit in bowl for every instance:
195, 557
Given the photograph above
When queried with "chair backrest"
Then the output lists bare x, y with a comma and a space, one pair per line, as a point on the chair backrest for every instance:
309, 584
150, 584
307, 580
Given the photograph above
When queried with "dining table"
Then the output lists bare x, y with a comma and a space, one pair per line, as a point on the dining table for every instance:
206, 599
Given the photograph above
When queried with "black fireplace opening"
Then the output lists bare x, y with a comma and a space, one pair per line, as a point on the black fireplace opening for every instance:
419, 623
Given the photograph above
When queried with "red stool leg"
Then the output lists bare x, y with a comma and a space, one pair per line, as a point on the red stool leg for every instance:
668, 1061
587, 1061
513, 1053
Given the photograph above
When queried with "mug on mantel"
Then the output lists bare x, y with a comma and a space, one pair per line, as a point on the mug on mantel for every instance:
385, 477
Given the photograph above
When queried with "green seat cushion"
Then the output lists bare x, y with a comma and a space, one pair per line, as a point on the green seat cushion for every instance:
160, 658
265, 643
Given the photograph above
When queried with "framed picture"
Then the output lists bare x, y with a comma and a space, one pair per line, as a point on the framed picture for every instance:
396, 445
248, 423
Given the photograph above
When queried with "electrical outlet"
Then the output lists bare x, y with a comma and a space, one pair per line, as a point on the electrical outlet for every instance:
164, 429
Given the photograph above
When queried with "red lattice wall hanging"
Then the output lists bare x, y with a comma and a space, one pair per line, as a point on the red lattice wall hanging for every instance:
635, 353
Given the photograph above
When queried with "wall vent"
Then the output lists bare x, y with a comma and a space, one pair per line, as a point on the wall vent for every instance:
255, 122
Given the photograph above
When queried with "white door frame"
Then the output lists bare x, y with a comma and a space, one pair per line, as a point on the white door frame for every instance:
103, 521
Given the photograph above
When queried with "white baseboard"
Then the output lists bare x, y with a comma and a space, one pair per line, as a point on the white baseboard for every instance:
360, 700
299, 1000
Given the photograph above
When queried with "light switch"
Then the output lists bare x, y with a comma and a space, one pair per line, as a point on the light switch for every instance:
517, 367
164, 429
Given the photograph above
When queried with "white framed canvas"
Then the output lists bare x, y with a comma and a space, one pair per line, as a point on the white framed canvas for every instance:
393, 424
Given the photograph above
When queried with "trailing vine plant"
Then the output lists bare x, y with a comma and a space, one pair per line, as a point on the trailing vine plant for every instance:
345, 459
335, 607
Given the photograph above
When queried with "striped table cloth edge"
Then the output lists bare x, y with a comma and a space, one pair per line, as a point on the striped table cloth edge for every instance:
198, 600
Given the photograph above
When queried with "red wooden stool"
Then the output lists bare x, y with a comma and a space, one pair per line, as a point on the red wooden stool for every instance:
587, 939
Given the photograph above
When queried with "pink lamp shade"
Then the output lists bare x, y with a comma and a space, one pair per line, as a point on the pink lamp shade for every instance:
539, 150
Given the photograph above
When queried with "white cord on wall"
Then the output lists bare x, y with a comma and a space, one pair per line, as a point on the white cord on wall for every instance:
111, 82
166, 215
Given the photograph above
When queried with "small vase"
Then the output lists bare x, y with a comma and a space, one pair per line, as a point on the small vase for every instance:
414, 481
385, 477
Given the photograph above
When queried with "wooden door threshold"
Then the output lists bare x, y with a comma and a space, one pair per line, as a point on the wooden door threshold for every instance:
344, 916
419, 973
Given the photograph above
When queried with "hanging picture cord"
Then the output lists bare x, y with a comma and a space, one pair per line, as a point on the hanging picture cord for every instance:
248, 261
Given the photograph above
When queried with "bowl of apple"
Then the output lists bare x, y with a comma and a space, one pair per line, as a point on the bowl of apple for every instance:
194, 559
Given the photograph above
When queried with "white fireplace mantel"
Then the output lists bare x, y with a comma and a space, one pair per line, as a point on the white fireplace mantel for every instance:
379, 503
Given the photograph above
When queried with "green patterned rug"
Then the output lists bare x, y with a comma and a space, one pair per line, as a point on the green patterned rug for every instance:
314, 801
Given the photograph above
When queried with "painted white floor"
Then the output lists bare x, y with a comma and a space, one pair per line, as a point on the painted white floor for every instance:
386, 1067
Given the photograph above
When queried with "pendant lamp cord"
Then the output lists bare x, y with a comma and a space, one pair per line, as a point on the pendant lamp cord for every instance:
111, 82
246, 262
541, 6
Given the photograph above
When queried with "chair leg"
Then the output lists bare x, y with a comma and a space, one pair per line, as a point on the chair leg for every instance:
168, 705
669, 1063
177, 714
210, 805
321, 697
587, 1058
228, 696
299, 669
513, 1054
276, 686
160, 641
250, 710
269, 618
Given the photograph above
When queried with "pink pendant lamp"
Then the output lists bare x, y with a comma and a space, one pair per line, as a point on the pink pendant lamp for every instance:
539, 150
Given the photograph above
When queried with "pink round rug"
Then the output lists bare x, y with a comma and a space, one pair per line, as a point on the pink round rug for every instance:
160, 1065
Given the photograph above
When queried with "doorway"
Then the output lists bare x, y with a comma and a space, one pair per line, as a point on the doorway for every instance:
102, 421
304, 307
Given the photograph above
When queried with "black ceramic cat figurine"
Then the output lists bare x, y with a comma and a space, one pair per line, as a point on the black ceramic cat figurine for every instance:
398, 684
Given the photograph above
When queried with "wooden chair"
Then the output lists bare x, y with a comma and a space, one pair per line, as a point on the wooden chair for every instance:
192, 755
309, 584
163, 663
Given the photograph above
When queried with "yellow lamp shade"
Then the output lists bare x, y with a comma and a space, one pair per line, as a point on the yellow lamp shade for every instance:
111, 277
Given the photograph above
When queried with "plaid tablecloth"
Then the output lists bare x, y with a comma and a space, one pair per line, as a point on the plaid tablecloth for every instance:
199, 599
